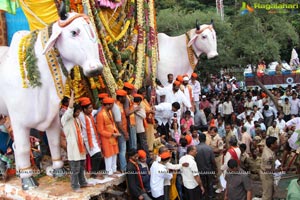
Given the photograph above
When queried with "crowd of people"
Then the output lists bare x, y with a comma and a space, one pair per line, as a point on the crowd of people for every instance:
184, 141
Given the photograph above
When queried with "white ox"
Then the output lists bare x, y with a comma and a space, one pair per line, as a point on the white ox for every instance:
38, 107
173, 54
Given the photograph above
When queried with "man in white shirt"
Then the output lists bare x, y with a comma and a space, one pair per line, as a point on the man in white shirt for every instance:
90, 136
295, 104
191, 180
170, 81
159, 173
294, 122
196, 87
256, 113
164, 112
269, 115
188, 91
175, 95
280, 122
227, 110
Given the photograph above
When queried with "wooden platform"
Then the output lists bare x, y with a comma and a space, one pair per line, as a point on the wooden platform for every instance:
54, 189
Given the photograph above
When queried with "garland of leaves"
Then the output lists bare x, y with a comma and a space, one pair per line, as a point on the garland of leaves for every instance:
141, 45
33, 73
153, 41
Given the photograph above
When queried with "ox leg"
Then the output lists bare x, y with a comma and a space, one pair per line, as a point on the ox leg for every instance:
53, 135
22, 156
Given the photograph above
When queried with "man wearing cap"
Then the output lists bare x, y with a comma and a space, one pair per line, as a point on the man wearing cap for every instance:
217, 146
140, 119
129, 110
196, 88
90, 136
150, 130
233, 152
145, 171
188, 91
101, 96
122, 127
204, 103
109, 136
159, 173
267, 168
135, 183
175, 95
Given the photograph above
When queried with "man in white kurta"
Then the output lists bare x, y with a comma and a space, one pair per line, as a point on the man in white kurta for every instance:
90, 138
75, 146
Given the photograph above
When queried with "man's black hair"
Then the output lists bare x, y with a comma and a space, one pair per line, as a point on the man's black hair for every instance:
202, 137
77, 107
270, 140
232, 163
137, 99
131, 152
243, 146
190, 148
176, 105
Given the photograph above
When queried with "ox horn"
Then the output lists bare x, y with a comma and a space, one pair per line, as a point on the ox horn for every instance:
62, 11
212, 22
197, 25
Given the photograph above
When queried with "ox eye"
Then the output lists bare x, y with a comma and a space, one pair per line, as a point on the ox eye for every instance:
204, 36
74, 33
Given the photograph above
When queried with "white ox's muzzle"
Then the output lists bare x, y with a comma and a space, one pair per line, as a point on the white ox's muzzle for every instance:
93, 68
212, 54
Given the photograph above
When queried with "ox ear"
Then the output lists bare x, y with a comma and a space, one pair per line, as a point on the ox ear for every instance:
50, 43
192, 40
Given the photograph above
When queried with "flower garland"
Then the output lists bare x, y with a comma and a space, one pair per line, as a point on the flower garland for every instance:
191, 53
76, 5
109, 31
52, 60
153, 40
27, 61
22, 54
141, 45
107, 75
33, 73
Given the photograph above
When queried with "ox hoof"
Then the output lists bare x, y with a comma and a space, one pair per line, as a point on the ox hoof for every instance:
29, 183
60, 172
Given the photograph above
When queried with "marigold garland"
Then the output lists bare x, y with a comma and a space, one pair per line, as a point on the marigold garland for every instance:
153, 40
141, 45
22, 53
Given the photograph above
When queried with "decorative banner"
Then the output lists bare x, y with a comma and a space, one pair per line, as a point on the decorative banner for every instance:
39, 13
3, 30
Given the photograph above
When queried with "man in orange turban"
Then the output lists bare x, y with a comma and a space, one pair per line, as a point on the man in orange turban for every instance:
130, 110
90, 136
122, 127
109, 134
